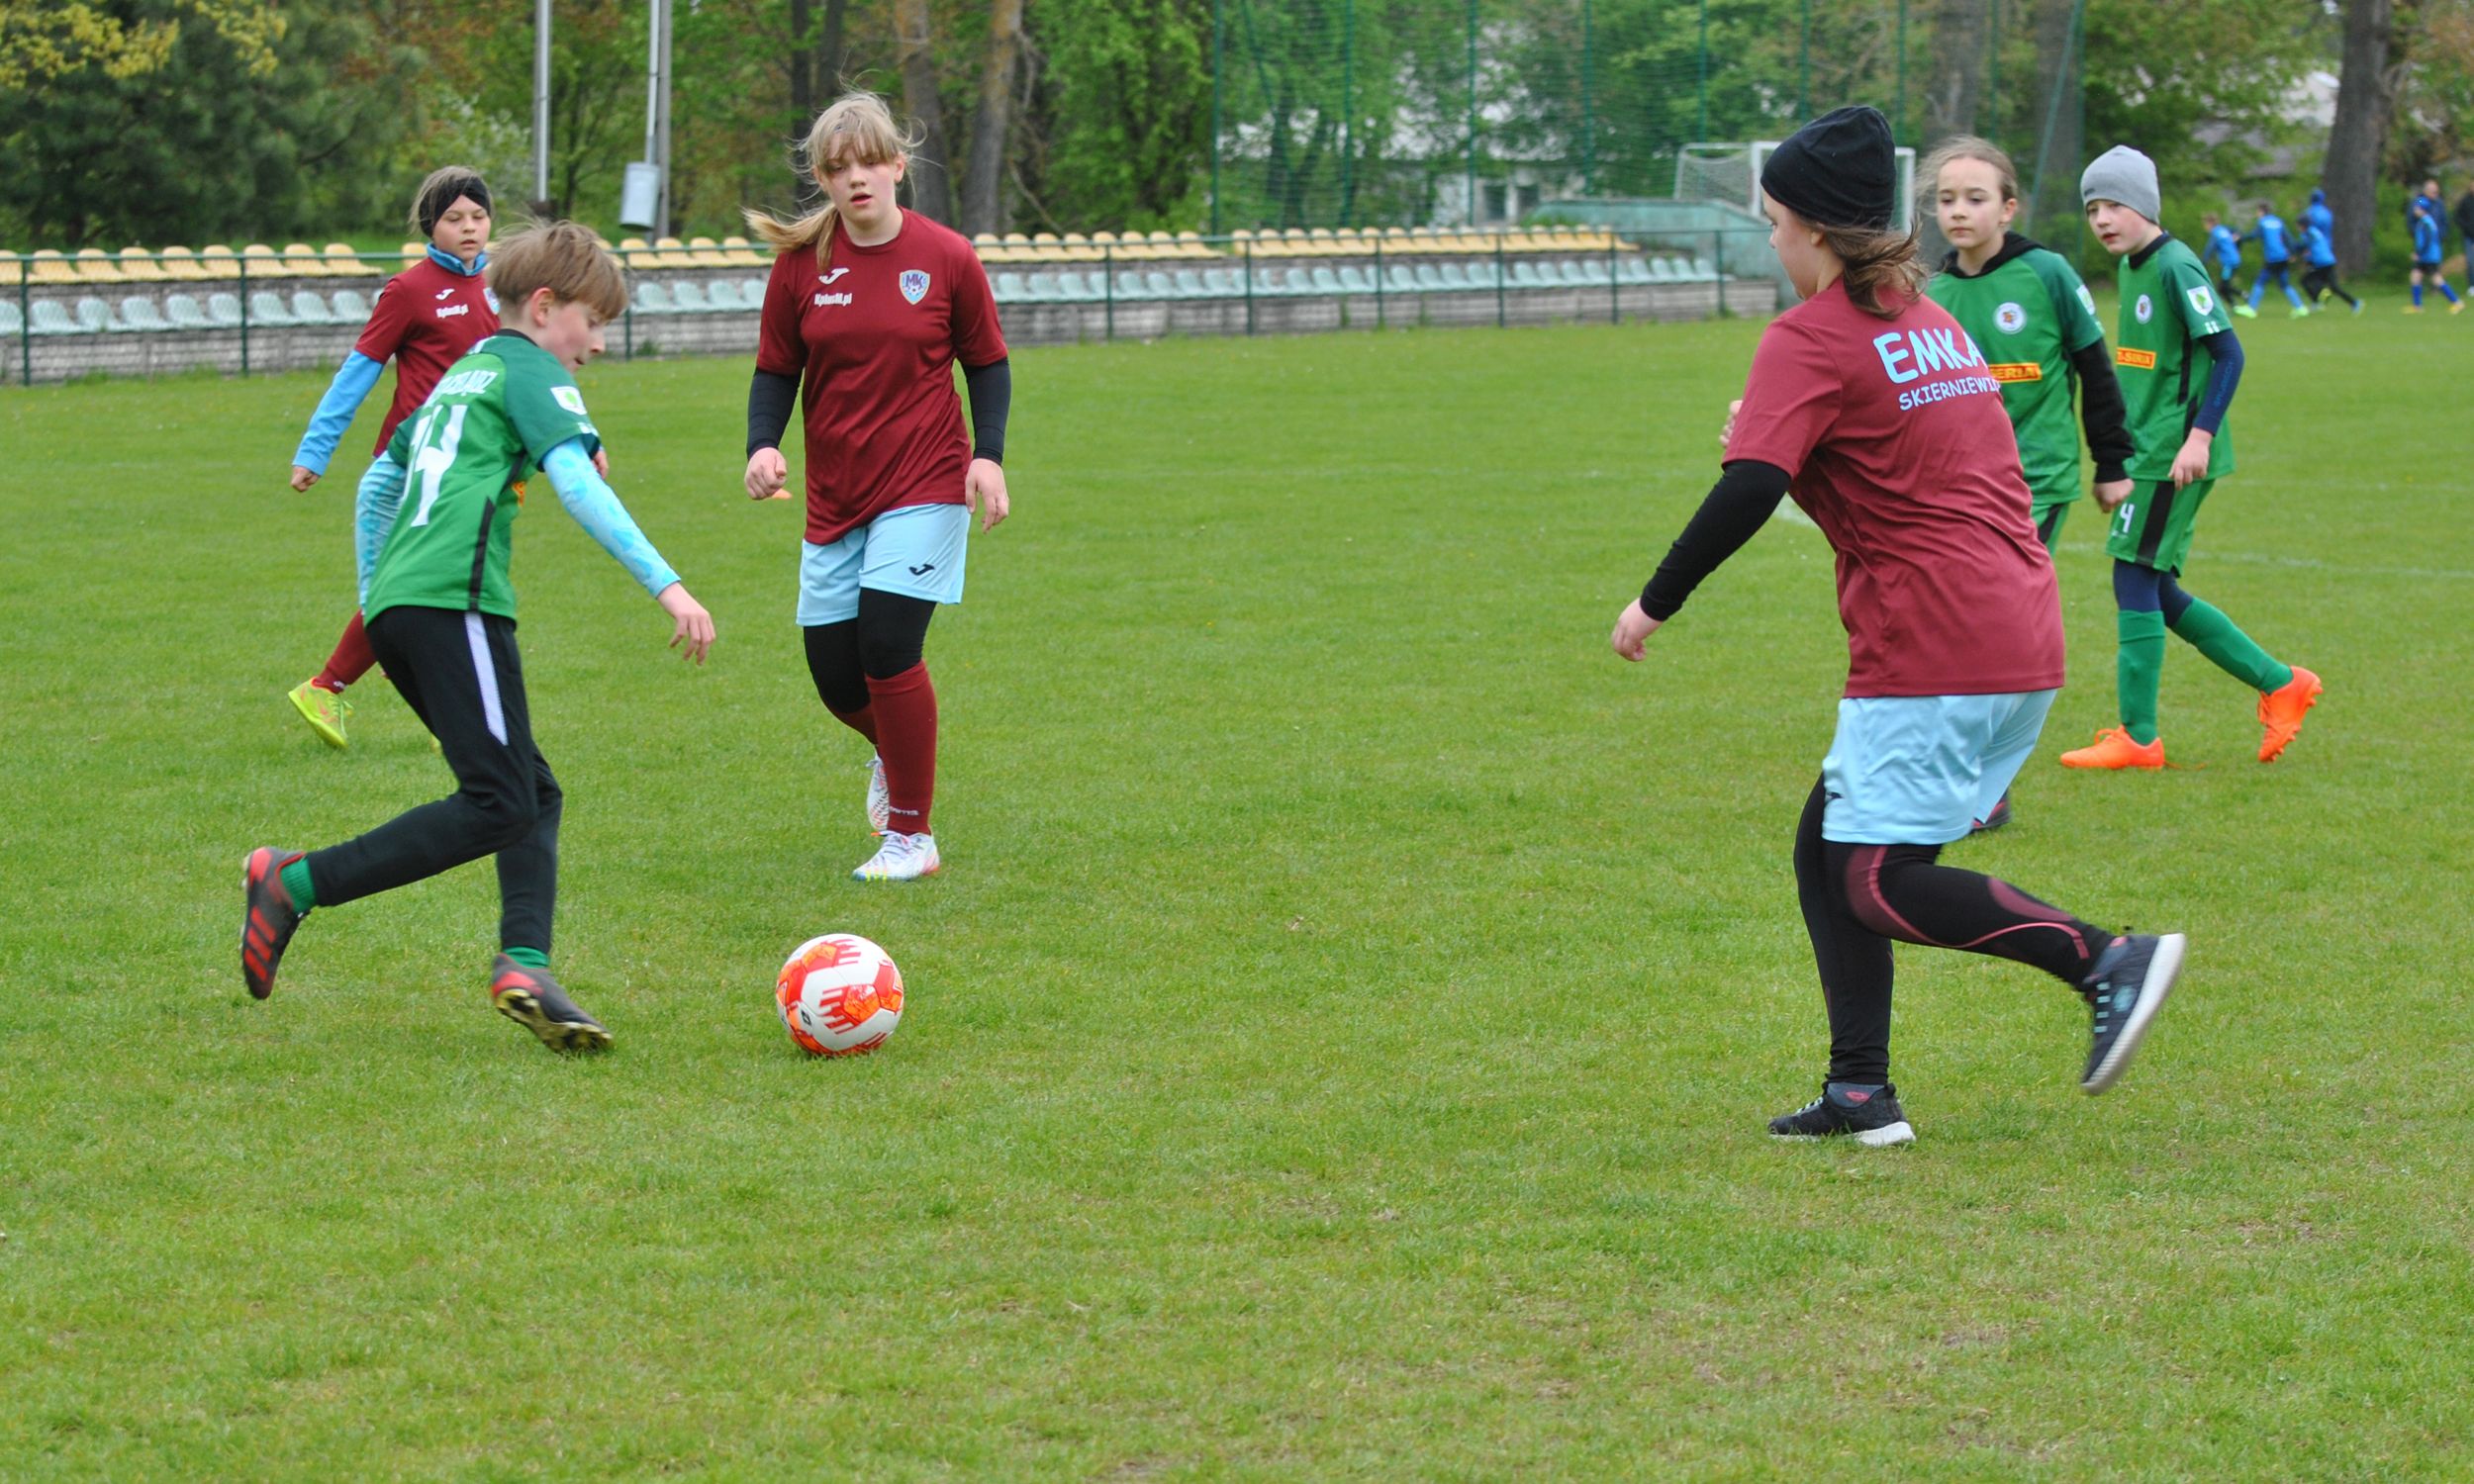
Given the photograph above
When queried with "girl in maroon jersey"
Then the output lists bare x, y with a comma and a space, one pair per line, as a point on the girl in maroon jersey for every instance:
1871, 405
425, 317
867, 309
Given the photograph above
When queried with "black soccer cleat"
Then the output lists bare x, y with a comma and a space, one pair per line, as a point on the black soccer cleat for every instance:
532, 1000
2125, 991
1993, 821
1871, 1117
269, 919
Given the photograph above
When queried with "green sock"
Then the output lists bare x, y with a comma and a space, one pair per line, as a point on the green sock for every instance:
2234, 652
530, 958
2138, 668
295, 884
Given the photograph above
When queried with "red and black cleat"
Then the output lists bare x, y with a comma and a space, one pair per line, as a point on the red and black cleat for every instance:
266, 929
532, 1000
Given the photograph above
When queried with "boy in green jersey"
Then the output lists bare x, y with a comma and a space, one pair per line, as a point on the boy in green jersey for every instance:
2028, 311
441, 614
2180, 364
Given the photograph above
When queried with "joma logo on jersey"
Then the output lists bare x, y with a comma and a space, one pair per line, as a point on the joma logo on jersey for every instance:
464, 384
1931, 350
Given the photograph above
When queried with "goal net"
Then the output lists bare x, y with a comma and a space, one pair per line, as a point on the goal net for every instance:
1731, 173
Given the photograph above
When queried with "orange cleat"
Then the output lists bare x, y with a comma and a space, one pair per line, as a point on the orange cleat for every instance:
2113, 748
2281, 712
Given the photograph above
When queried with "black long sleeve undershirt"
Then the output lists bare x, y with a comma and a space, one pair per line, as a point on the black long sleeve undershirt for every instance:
772, 396
1734, 508
2101, 412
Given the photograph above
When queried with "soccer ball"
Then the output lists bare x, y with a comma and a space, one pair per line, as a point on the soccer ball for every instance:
840, 995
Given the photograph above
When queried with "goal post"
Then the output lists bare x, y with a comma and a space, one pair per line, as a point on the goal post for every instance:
1731, 173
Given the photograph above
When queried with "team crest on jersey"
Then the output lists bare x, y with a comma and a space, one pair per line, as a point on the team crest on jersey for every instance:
2143, 310
2087, 301
2010, 318
568, 398
914, 284
2202, 300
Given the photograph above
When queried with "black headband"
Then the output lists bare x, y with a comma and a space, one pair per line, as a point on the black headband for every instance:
435, 200
1839, 170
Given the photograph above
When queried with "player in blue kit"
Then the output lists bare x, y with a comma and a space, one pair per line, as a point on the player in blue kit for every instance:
2276, 256
2319, 279
2430, 243
2224, 254
2317, 214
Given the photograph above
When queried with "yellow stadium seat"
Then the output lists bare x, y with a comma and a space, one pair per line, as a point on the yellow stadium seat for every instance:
301, 261
1079, 249
138, 266
742, 254
705, 253
51, 267
671, 253
341, 261
180, 264
94, 265
262, 262
12, 269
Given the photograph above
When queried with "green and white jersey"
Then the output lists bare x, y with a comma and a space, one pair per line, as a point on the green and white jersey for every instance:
2167, 304
2028, 311
492, 419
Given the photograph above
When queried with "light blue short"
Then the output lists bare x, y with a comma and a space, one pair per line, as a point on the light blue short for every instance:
374, 504
917, 550
1921, 769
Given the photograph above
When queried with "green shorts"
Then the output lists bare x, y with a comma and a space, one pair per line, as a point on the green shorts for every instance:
2047, 508
2153, 526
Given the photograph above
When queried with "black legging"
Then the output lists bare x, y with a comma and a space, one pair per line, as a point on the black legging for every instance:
887, 638
1858, 898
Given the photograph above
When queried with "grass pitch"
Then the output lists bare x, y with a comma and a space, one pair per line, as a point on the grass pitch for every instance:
1339, 1044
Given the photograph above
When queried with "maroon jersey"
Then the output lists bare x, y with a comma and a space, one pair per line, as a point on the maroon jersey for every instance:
872, 333
1894, 436
425, 317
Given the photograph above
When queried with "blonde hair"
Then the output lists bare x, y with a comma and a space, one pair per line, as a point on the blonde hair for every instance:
854, 128
1883, 271
1966, 146
564, 257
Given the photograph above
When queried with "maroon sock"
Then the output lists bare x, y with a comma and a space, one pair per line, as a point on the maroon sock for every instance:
862, 721
905, 720
351, 660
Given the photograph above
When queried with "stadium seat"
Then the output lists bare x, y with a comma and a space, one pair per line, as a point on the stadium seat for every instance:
309, 307
1455, 277
46, 318
415, 251
138, 266
1189, 285
1224, 283
350, 307
1009, 287
688, 299
752, 292
721, 295
989, 247
215, 260
11, 324
267, 307
1704, 271
341, 261
137, 313
94, 265
12, 269
49, 267
180, 265
1595, 273
260, 261
301, 261
1430, 281
1046, 246
96, 317
706, 253
1192, 244
1353, 280
1398, 279
650, 298
1130, 285
1327, 282
743, 254
184, 312
1631, 270
634, 253
1524, 275
223, 308
1159, 286
670, 253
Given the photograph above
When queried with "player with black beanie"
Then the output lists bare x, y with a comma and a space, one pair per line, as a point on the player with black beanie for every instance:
1872, 407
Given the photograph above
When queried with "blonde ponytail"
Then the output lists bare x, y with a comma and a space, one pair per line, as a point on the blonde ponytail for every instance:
856, 127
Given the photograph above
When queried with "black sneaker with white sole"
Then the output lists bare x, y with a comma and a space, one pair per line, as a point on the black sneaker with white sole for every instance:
1869, 1115
532, 1000
2125, 991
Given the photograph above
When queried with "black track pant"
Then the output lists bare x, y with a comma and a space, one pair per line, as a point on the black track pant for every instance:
2321, 281
460, 675
1858, 898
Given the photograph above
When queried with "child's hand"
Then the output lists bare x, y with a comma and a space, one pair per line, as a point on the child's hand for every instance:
983, 490
1633, 628
2111, 493
1727, 433
692, 626
2191, 464
600, 462
767, 473
303, 477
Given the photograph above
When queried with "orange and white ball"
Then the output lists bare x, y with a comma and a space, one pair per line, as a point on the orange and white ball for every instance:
840, 995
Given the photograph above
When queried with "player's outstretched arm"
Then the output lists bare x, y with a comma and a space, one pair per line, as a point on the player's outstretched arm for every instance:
1734, 510
335, 410
595, 507
770, 397
690, 625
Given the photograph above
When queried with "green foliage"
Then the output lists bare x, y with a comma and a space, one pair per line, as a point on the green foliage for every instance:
1339, 1040
1119, 129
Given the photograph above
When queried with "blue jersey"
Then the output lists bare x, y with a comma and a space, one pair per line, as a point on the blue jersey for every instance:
2273, 247
2317, 214
2427, 241
2317, 250
2225, 246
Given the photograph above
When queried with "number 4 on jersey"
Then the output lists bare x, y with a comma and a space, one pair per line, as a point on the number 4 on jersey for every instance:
433, 449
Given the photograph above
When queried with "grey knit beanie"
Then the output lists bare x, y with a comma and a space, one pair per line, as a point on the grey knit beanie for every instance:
2124, 174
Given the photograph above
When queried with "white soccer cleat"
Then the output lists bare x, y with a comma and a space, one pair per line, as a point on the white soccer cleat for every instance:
902, 858
880, 797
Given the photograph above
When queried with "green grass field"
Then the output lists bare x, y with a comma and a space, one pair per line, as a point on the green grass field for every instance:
1339, 1044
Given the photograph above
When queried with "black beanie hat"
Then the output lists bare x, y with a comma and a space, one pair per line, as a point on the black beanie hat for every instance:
1839, 170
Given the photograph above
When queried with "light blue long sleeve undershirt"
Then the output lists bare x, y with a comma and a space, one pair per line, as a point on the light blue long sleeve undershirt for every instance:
353, 380
594, 505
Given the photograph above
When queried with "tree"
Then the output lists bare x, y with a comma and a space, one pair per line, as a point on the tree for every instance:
983, 180
2365, 99
46, 41
932, 191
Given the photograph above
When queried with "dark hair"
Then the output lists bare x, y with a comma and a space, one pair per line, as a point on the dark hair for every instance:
445, 186
564, 257
1883, 271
